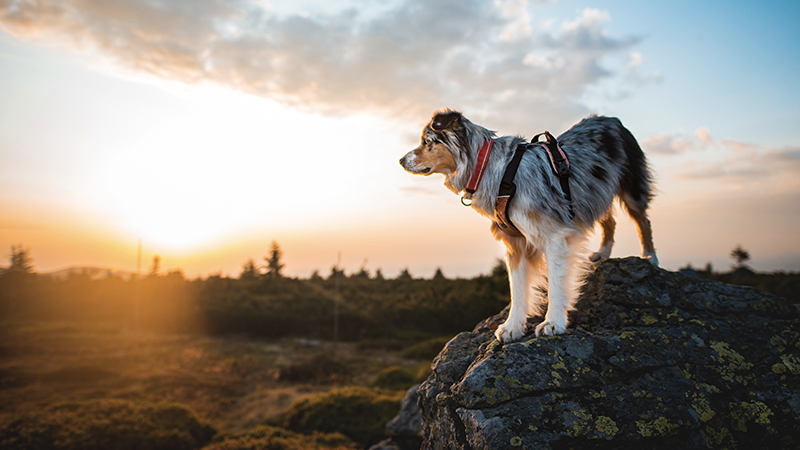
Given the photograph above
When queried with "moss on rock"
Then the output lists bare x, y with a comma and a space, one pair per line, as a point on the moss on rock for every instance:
652, 359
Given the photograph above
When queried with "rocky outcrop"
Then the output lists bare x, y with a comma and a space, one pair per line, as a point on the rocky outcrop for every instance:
405, 430
653, 360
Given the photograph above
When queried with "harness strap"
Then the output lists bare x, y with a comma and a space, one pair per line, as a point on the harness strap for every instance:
507, 191
560, 165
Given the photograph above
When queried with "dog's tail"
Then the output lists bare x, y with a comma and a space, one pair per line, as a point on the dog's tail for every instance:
636, 188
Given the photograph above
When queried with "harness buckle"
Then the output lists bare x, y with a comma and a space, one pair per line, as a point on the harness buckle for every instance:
562, 168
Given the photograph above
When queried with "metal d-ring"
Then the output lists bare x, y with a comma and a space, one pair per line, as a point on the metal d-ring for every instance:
465, 203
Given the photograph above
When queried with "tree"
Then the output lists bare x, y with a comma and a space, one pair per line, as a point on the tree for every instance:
740, 257
21, 262
334, 272
249, 270
439, 275
363, 272
274, 265
405, 275
15, 282
156, 267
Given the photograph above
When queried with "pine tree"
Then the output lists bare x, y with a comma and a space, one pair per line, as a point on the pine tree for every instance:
249, 270
274, 265
21, 262
155, 269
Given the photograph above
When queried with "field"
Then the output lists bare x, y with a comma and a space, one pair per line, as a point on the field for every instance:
233, 384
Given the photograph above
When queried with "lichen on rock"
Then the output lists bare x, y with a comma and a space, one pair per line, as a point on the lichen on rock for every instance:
652, 359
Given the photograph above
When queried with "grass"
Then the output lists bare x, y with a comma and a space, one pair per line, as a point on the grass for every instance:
400, 378
56, 376
356, 412
102, 424
272, 438
426, 350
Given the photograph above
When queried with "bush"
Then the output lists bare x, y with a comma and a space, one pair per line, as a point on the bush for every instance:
321, 370
356, 412
426, 350
424, 371
104, 424
271, 438
395, 378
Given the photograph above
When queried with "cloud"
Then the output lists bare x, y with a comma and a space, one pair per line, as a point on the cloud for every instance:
704, 136
727, 161
748, 163
516, 11
667, 144
403, 61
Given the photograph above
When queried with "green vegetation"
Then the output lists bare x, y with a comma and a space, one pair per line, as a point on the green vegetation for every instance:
272, 438
320, 370
72, 385
782, 284
356, 412
397, 378
426, 349
103, 424
258, 304
90, 360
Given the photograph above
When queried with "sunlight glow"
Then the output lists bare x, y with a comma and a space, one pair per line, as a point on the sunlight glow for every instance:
232, 160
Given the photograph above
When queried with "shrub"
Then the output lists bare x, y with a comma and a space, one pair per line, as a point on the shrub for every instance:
426, 350
395, 378
356, 412
320, 370
104, 424
272, 438
424, 371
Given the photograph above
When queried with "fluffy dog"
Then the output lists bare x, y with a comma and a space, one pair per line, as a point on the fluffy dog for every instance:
606, 162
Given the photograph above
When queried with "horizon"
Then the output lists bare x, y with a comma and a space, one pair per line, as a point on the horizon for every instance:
262, 269
207, 133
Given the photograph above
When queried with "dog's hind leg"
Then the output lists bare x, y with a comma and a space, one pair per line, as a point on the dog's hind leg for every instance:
563, 268
636, 192
638, 212
608, 224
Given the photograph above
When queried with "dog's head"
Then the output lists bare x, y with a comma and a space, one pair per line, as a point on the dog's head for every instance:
442, 147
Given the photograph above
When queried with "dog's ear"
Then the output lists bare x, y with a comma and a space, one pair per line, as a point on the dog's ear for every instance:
444, 119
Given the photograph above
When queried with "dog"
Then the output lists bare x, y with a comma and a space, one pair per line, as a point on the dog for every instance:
605, 162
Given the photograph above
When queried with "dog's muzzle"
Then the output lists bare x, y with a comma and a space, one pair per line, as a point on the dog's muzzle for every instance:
407, 162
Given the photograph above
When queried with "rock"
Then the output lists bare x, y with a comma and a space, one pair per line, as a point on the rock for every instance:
405, 430
408, 422
652, 360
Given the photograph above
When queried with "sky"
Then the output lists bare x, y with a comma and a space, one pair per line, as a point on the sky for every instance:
205, 130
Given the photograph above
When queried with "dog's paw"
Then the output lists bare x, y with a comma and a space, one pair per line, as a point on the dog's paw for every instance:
600, 255
597, 257
651, 257
507, 332
548, 328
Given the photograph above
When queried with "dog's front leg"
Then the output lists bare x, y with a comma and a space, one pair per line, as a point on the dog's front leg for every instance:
519, 277
560, 253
